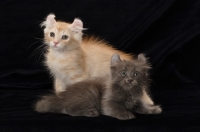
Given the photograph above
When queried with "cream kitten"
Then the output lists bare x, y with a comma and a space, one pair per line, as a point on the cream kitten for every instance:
71, 59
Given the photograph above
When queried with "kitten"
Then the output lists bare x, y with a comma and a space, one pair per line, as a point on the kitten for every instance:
71, 59
80, 99
125, 90
118, 95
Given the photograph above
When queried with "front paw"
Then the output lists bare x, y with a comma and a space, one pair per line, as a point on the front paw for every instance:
156, 109
149, 109
125, 116
153, 109
91, 113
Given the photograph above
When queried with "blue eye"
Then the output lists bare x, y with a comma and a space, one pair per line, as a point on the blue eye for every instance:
123, 73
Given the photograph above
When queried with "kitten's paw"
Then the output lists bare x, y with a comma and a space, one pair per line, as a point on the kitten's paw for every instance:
153, 109
150, 109
156, 109
91, 113
125, 116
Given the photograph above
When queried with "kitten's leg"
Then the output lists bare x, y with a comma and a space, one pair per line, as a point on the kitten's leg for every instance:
146, 105
59, 86
148, 109
113, 109
146, 99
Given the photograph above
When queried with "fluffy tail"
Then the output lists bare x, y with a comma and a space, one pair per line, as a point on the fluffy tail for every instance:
49, 103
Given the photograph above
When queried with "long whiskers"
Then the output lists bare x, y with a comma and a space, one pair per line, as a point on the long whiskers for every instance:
39, 52
39, 40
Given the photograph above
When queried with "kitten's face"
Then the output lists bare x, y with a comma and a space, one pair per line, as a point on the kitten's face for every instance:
62, 36
59, 37
130, 74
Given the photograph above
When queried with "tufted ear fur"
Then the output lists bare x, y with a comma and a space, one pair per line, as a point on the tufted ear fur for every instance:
115, 59
77, 26
143, 60
50, 21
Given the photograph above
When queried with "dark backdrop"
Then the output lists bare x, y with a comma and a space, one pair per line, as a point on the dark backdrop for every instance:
167, 31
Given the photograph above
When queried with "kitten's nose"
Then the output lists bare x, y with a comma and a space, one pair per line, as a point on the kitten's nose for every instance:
55, 43
130, 80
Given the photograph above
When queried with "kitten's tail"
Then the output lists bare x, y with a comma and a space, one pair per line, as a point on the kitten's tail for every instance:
48, 103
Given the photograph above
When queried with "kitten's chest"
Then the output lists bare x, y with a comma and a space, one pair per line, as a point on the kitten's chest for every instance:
60, 63
130, 101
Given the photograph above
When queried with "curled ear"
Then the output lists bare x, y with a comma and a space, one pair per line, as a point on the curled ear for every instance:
115, 59
50, 21
141, 57
77, 26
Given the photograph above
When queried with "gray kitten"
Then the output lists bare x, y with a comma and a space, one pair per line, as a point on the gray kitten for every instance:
118, 95
124, 91
80, 99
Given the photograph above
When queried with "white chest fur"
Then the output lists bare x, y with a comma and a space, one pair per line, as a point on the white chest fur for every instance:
66, 67
58, 64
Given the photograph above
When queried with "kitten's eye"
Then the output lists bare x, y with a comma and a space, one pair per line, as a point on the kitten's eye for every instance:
123, 73
135, 74
52, 34
64, 37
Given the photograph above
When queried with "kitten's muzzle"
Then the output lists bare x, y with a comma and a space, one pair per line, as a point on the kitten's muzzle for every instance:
55, 43
129, 80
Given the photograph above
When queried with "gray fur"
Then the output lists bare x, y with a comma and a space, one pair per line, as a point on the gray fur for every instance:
123, 97
80, 99
115, 59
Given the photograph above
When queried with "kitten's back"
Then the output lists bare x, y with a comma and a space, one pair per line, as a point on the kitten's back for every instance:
98, 55
80, 99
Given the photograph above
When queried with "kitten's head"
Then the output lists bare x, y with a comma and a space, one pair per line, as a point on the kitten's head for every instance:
130, 74
61, 35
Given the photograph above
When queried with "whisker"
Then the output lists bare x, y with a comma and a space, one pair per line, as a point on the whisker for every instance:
38, 38
32, 44
38, 53
36, 50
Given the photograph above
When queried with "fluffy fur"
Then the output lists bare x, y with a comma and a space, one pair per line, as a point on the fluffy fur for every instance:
71, 59
80, 99
118, 96
127, 88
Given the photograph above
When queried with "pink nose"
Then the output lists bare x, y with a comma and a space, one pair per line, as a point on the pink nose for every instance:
55, 43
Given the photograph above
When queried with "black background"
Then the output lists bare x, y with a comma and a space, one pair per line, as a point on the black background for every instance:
167, 31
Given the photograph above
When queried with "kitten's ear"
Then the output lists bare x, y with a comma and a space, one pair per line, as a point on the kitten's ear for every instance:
77, 26
142, 58
50, 21
115, 59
